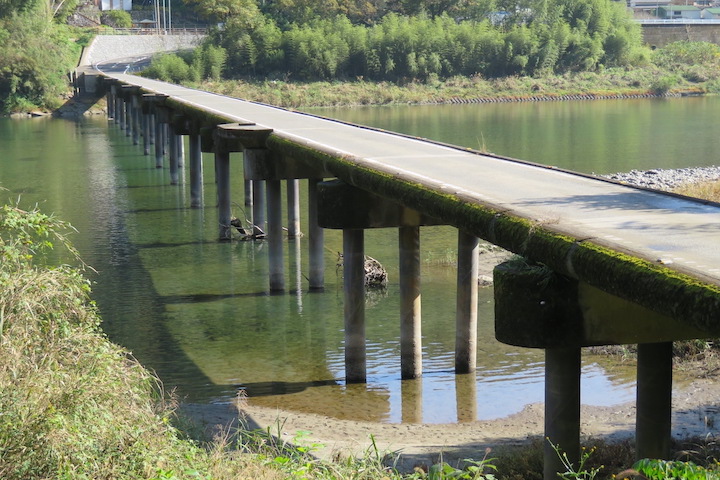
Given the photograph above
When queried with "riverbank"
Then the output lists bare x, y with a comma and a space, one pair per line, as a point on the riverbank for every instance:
617, 83
695, 415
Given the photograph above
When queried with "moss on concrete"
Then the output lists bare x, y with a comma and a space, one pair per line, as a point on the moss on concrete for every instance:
654, 286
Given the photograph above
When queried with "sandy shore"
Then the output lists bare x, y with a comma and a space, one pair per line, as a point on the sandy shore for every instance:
695, 408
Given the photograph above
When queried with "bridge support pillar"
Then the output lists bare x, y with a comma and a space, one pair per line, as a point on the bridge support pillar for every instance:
180, 149
159, 141
317, 238
120, 112
135, 102
275, 235
466, 303
222, 166
410, 306
654, 400
248, 193
128, 115
342, 206
562, 409
249, 187
538, 308
258, 209
146, 123
151, 127
293, 207
196, 172
110, 100
250, 139
174, 155
354, 308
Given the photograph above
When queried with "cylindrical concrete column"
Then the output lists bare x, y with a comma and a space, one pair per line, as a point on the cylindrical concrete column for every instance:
196, 172
410, 312
117, 106
354, 312
180, 148
128, 117
174, 161
275, 235
136, 119
120, 108
222, 162
248, 193
562, 408
165, 137
146, 122
151, 128
654, 400
466, 303
296, 265
249, 203
293, 207
258, 209
159, 141
110, 99
316, 241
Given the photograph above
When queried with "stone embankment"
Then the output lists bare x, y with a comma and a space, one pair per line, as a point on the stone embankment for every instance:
559, 98
662, 179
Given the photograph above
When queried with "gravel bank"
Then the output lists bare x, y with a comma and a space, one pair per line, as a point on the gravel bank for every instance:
670, 179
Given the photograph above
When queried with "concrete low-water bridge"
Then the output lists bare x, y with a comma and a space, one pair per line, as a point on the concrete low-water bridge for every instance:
602, 263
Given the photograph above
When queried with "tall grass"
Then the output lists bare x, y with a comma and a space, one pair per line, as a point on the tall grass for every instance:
72, 404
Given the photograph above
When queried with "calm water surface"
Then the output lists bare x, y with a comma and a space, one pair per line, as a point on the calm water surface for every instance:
198, 312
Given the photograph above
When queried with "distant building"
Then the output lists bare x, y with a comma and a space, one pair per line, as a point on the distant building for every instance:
647, 4
711, 13
673, 12
115, 5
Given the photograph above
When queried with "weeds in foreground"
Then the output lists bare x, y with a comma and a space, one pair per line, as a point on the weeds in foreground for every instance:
582, 471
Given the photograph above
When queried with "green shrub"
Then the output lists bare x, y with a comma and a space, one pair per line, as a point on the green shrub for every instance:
116, 19
663, 85
666, 469
168, 68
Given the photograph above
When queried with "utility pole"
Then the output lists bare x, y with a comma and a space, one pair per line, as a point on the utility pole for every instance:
157, 16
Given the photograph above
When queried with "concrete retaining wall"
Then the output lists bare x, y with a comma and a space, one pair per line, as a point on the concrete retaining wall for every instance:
661, 35
112, 47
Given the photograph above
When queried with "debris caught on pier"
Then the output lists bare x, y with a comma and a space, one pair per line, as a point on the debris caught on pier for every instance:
247, 233
375, 274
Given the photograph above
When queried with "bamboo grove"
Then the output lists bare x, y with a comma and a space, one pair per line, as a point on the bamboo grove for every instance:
553, 36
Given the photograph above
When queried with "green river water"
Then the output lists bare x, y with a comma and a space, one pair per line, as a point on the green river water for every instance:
198, 312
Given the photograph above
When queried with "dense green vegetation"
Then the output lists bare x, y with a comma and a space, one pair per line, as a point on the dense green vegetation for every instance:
37, 53
554, 36
688, 67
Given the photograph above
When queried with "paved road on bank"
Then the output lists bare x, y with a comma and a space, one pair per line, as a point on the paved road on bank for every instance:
680, 233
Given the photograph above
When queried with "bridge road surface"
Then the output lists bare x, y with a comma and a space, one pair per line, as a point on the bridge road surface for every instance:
678, 232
